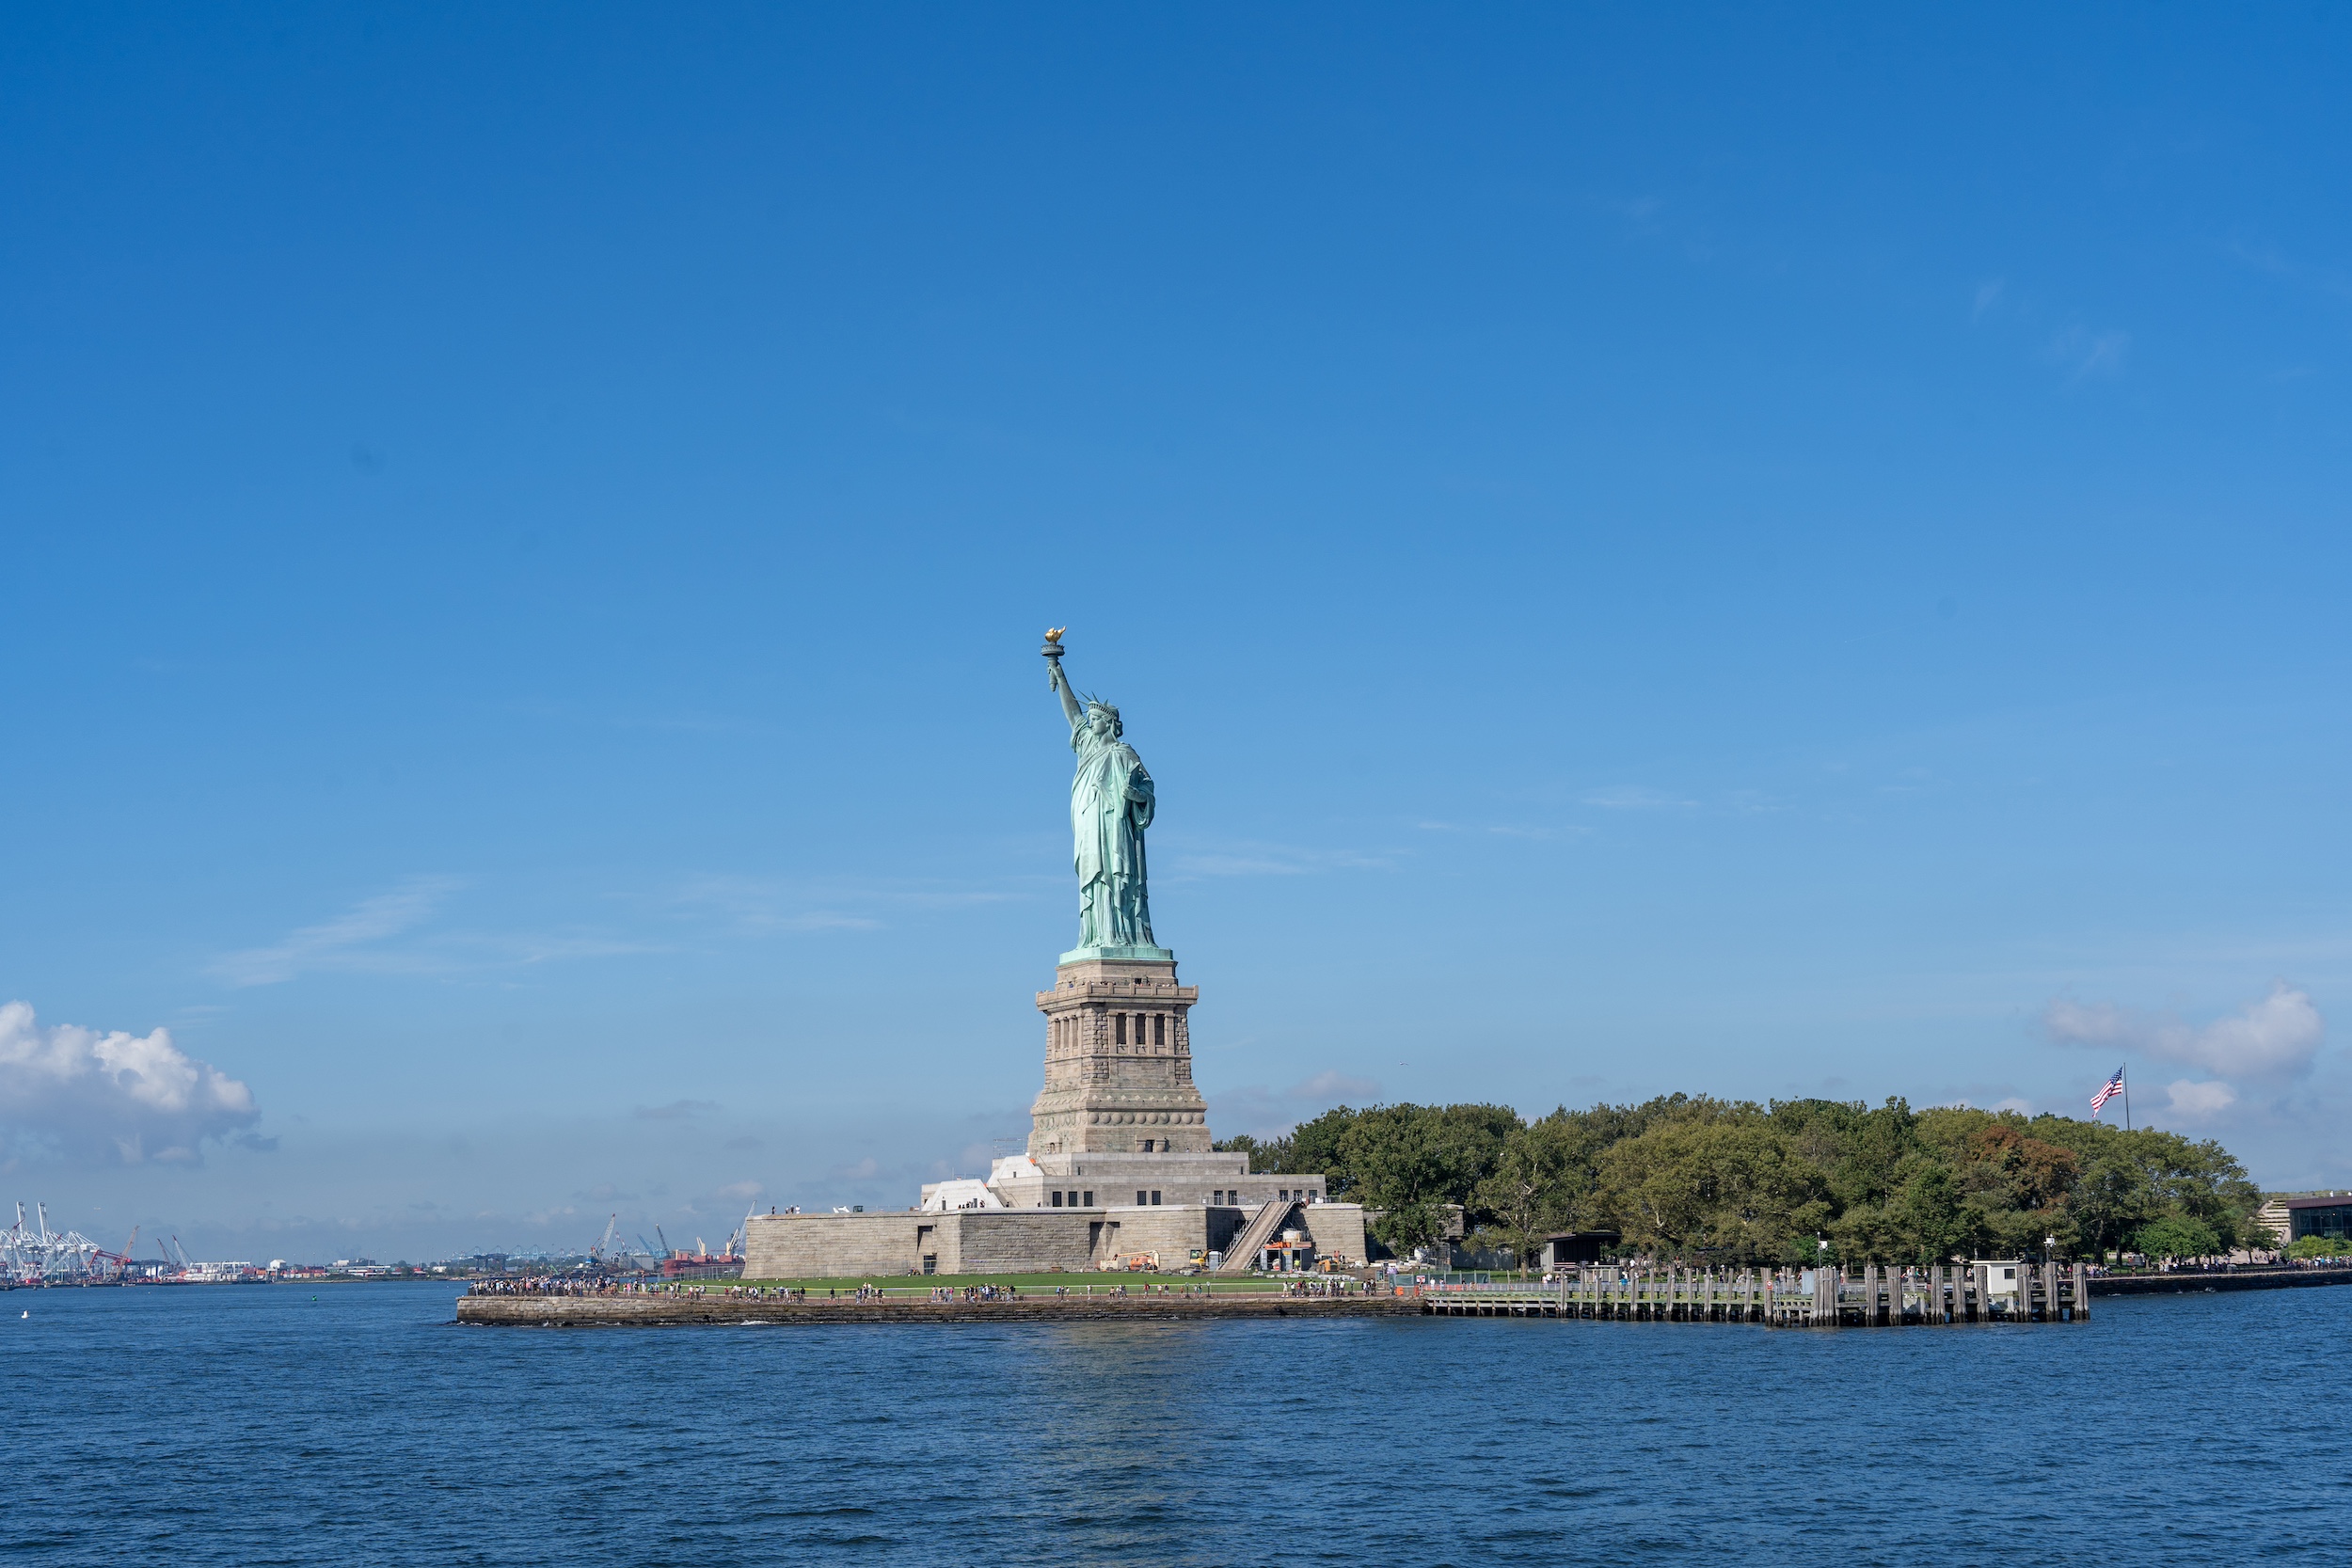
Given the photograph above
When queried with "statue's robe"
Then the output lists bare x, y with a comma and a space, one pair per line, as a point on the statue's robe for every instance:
1110, 805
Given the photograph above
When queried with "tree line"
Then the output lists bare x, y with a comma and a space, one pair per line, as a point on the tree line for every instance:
1707, 1181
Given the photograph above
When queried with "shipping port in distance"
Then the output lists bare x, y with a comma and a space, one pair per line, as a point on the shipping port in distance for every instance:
35, 1257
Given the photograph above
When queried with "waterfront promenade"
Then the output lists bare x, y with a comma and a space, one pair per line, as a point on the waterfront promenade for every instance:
915, 1307
1873, 1297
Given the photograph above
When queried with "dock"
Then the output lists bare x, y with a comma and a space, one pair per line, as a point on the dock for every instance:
1871, 1295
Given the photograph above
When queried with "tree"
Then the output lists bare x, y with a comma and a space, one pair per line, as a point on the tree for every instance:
1410, 1161
1266, 1157
2308, 1247
1533, 1185
1735, 1189
2176, 1236
1931, 1223
1315, 1147
1737, 1182
2040, 1174
1857, 1151
2113, 1198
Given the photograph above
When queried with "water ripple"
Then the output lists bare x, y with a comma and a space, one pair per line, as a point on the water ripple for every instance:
253, 1426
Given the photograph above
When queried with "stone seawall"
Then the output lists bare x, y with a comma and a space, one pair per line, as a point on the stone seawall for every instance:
654, 1311
2197, 1284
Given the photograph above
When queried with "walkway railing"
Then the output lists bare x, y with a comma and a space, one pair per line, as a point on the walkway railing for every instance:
1871, 1294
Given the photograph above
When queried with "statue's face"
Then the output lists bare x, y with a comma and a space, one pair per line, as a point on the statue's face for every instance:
1103, 725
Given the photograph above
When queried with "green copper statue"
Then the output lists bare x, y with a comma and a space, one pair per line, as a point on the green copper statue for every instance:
1110, 805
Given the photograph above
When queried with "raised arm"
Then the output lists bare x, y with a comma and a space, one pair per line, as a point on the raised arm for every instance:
1072, 708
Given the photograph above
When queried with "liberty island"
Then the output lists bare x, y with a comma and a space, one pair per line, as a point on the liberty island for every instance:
1120, 1169
1120, 1174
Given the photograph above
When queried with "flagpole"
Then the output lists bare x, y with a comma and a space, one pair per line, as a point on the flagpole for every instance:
2127, 1097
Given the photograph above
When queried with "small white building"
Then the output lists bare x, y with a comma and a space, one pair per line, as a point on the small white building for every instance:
940, 1198
2001, 1276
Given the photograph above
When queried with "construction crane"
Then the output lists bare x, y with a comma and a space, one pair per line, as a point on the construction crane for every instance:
122, 1261
665, 1241
606, 1255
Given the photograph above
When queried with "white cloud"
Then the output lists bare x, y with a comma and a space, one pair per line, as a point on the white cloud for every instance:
340, 943
1251, 859
2088, 353
2201, 1099
114, 1096
2275, 1037
2278, 1035
1265, 1113
761, 906
1335, 1087
676, 1110
381, 936
1634, 798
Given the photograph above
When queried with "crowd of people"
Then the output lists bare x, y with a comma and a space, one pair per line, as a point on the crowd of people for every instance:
593, 1285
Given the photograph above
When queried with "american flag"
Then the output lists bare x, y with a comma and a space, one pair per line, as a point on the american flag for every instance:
2108, 1091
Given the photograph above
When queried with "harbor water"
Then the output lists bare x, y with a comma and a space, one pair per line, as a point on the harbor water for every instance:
355, 1424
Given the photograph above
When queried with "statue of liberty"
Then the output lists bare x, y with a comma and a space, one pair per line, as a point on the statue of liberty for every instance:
1110, 805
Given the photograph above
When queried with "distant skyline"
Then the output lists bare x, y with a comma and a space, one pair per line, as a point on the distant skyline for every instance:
1792, 552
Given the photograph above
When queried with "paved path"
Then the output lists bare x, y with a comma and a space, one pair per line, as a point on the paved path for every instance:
597, 1312
2195, 1284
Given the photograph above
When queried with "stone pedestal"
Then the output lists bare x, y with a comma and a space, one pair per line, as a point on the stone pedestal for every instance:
1118, 1063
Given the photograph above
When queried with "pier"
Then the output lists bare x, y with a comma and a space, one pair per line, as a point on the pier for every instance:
1871, 1295
1867, 1296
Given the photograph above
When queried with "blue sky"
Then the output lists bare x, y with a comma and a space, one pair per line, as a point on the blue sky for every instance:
1764, 551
